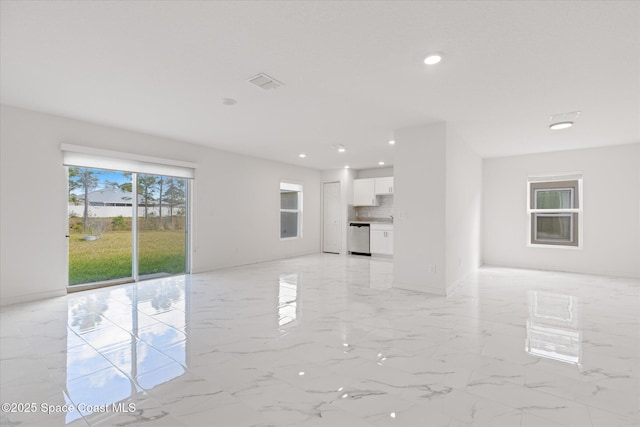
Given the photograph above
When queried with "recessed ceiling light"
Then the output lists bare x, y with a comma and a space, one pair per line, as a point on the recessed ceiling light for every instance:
563, 120
433, 58
392, 142
302, 155
381, 163
561, 125
229, 102
342, 149
346, 166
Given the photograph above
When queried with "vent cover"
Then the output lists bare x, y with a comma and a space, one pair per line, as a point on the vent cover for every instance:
265, 82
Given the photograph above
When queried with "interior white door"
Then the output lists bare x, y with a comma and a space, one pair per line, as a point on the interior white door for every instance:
331, 241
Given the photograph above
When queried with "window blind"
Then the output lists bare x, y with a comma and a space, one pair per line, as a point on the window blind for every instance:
89, 157
555, 177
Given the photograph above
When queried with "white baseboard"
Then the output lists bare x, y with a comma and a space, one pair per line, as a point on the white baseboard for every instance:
32, 297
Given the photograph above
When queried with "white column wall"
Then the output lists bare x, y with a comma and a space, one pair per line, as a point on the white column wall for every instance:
463, 211
419, 207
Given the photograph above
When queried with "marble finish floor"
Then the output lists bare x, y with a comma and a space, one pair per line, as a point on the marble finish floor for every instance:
324, 340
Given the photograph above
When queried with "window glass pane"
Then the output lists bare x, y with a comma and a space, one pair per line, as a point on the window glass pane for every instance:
288, 199
288, 224
554, 227
162, 208
554, 199
100, 216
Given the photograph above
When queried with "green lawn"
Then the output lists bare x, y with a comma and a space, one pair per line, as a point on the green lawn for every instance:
109, 257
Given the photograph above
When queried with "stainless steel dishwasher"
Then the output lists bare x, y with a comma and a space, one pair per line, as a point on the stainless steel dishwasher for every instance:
359, 238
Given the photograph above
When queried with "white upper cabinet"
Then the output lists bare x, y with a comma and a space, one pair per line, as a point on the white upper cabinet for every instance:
384, 185
364, 192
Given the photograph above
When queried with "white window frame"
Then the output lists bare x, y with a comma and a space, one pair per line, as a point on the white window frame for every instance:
576, 212
291, 186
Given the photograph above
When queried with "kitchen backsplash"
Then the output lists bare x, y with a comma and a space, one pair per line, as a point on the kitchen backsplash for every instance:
383, 211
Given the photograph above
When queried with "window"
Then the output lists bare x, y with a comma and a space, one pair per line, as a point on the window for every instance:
555, 212
290, 210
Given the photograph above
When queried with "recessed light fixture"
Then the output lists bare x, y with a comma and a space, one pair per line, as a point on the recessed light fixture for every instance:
433, 58
560, 125
229, 102
563, 120
346, 166
302, 155
392, 142
341, 149
381, 163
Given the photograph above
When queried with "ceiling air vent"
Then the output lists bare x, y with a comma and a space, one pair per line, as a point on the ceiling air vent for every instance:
265, 82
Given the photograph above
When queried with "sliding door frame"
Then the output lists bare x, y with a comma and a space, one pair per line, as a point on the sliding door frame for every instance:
135, 271
134, 227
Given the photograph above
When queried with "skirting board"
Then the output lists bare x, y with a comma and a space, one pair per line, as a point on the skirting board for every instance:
32, 297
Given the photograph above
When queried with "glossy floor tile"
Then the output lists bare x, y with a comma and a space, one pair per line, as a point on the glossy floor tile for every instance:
325, 340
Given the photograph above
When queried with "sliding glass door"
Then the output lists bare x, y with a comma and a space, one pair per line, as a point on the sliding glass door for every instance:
162, 225
100, 224
124, 226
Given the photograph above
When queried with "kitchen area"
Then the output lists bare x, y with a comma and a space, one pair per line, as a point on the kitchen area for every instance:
370, 218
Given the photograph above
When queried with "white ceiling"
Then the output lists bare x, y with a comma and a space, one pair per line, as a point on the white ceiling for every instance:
352, 71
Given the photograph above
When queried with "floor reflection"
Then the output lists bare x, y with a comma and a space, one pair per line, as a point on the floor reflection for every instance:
553, 328
122, 341
270, 348
287, 299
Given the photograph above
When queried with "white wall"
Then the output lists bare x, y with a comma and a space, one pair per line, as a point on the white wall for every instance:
236, 201
463, 211
374, 173
345, 177
419, 206
611, 220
